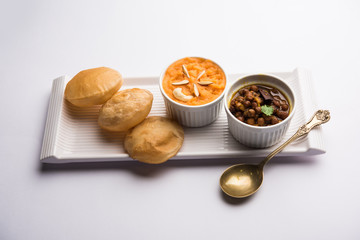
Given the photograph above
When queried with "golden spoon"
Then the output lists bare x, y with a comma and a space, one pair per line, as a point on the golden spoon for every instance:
243, 180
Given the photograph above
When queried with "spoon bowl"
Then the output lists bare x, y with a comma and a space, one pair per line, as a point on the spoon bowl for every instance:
243, 180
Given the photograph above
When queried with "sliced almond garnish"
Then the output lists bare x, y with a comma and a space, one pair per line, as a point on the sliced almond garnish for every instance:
196, 90
180, 96
200, 74
180, 83
205, 83
185, 71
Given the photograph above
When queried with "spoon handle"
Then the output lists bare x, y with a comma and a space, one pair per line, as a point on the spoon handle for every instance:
320, 117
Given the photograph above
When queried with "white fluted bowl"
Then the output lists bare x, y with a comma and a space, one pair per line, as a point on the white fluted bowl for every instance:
193, 116
256, 136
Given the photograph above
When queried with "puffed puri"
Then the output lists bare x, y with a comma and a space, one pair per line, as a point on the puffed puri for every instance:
93, 86
125, 109
155, 140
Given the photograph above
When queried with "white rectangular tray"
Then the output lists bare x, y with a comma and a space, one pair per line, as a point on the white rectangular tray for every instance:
72, 134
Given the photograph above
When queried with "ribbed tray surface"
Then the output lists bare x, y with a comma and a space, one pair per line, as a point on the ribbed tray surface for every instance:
73, 135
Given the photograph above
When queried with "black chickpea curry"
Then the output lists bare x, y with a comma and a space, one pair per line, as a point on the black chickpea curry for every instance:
259, 105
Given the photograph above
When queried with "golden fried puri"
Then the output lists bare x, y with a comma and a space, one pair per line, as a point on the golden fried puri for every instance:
93, 86
125, 109
155, 140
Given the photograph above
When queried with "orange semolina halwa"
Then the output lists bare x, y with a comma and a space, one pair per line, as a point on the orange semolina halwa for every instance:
195, 66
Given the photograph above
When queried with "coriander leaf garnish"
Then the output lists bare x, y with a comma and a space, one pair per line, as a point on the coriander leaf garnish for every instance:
267, 110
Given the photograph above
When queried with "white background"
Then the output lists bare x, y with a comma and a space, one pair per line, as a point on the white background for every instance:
301, 198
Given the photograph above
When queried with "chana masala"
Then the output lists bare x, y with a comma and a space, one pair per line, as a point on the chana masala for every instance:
259, 105
194, 81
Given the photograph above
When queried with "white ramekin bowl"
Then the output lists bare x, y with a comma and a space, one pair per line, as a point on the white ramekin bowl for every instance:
256, 136
193, 116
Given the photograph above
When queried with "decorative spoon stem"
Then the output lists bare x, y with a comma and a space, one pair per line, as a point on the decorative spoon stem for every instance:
320, 117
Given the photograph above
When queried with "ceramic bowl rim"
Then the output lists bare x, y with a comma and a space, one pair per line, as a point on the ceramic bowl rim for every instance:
258, 128
219, 98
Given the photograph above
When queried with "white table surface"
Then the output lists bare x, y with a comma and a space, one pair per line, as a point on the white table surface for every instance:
301, 198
